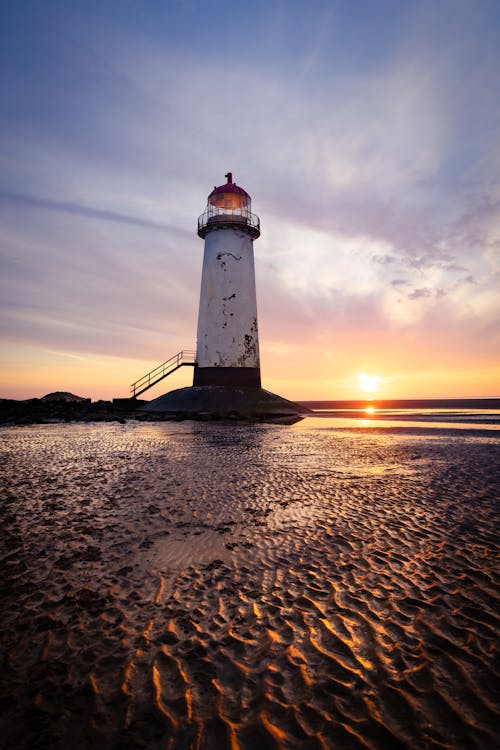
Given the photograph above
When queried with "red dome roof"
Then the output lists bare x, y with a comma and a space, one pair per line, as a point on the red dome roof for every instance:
229, 187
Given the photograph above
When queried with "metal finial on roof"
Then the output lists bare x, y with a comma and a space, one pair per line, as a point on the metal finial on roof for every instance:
229, 176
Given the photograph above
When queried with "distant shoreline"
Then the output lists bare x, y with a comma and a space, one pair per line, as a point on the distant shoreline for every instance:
425, 403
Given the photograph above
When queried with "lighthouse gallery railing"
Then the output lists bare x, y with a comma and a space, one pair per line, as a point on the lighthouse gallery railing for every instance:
216, 216
181, 359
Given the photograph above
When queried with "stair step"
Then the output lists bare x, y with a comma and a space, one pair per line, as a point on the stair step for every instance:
186, 357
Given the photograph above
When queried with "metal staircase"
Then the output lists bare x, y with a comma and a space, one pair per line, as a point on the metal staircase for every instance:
185, 358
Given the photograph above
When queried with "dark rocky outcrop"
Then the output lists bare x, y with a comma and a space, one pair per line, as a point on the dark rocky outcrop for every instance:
64, 407
197, 402
64, 396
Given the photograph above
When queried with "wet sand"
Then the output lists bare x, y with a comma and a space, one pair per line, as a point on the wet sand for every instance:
187, 585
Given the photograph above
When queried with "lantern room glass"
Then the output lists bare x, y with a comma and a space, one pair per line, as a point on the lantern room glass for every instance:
230, 200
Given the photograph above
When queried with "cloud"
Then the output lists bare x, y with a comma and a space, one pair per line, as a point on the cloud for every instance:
84, 282
31, 201
420, 293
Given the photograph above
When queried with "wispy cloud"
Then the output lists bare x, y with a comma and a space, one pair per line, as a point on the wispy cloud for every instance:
68, 207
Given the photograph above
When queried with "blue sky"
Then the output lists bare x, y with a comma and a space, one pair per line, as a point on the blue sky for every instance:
367, 134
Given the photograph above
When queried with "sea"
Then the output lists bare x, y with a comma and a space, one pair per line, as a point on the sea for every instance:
328, 584
410, 413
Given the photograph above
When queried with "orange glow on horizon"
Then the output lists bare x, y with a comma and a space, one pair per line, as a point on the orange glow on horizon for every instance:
28, 372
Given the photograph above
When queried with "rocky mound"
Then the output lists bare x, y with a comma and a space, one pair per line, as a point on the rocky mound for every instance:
224, 402
64, 396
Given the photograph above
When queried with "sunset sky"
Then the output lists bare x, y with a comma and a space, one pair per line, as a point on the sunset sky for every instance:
367, 133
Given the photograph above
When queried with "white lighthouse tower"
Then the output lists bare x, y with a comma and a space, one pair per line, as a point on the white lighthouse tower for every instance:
227, 351
226, 364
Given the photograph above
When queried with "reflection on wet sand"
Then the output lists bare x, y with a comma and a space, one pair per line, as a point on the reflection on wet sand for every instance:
219, 586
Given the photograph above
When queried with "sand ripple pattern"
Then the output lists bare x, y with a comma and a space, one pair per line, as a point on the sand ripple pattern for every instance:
223, 586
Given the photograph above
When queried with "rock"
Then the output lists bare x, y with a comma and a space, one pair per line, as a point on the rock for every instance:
64, 396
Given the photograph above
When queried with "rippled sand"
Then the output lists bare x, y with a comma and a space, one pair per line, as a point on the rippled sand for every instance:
216, 586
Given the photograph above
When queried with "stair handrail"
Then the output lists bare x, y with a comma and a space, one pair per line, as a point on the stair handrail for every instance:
184, 357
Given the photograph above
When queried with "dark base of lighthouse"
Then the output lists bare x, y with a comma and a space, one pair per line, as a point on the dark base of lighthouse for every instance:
225, 402
240, 377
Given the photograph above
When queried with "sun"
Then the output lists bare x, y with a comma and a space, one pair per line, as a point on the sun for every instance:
368, 383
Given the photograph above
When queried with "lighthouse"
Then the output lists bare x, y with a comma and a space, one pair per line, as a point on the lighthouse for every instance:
227, 352
227, 381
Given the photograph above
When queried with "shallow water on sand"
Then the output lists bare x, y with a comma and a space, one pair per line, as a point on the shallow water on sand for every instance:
221, 586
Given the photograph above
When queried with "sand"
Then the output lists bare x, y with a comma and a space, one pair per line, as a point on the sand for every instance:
183, 585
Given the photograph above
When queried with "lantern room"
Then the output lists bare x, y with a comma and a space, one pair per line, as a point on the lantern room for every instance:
229, 206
